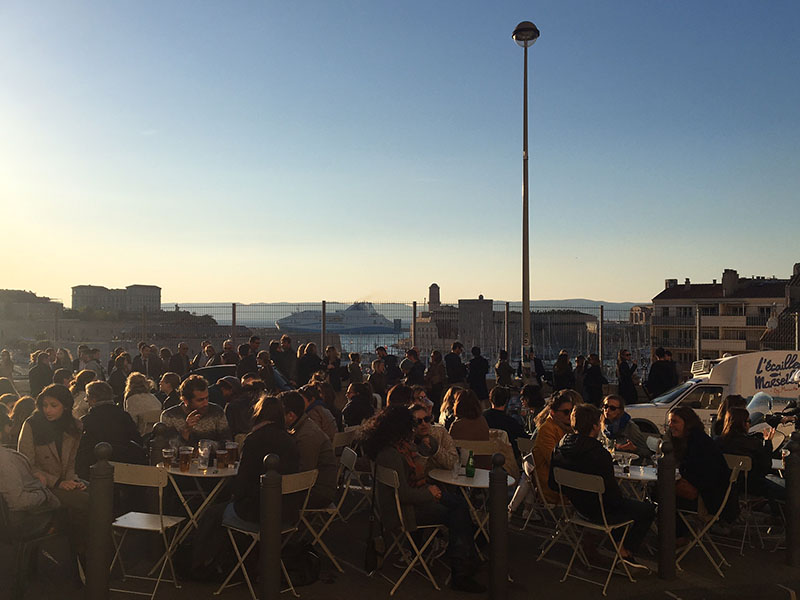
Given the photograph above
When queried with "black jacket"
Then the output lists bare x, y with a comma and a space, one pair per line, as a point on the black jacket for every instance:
107, 422
249, 364
178, 363
659, 379
154, 367
356, 410
39, 377
456, 371
416, 376
268, 439
752, 445
593, 382
478, 369
586, 454
702, 465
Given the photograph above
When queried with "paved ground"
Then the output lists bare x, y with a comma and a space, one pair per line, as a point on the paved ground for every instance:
759, 574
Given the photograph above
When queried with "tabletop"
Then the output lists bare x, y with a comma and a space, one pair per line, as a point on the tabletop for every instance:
210, 473
637, 473
777, 464
481, 479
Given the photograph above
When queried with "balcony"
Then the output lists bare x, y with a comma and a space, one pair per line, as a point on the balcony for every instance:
759, 321
731, 321
724, 345
673, 321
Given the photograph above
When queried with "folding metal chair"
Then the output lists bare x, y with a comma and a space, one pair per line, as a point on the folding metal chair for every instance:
355, 482
402, 539
290, 484
595, 484
700, 534
525, 446
324, 517
746, 503
151, 477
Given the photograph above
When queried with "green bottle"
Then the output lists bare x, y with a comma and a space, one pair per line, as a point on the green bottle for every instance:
470, 468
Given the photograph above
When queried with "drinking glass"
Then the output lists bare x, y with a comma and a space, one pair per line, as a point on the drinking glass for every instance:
204, 449
222, 458
185, 453
169, 456
233, 452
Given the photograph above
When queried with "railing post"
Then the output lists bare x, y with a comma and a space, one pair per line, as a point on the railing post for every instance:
600, 336
414, 324
507, 329
698, 345
101, 513
797, 331
269, 561
498, 529
792, 473
666, 511
324, 326
233, 323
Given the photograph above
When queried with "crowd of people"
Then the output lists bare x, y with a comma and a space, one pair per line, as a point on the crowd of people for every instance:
410, 419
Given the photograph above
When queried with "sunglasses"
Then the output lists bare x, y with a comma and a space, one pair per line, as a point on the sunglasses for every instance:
566, 411
610, 407
425, 419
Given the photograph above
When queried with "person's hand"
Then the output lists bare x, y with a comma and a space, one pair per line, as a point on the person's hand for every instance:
769, 434
192, 419
789, 419
71, 485
41, 478
626, 447
435, 492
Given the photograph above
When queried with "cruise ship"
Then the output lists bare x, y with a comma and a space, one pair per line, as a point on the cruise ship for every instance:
358, 318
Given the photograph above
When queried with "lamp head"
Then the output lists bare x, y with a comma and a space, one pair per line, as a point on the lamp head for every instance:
525, 34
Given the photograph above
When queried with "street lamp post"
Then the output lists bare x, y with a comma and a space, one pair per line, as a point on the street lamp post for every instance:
525, 35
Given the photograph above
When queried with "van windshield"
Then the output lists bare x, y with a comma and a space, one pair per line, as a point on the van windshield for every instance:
670, 396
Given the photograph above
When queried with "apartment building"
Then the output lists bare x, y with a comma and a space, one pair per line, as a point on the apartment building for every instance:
733, 314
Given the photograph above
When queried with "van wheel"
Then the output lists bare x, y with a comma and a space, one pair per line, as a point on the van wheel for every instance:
647, 427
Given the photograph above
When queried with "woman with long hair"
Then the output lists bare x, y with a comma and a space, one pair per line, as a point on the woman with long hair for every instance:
78, 390
703, 470
563, 377
63, 359
6, 365
140, 401
387, 439
23, 408
625, 370
435, 381
446, 413
729, 402
359, 405
49, 439
308, 364
737, 439
325, 390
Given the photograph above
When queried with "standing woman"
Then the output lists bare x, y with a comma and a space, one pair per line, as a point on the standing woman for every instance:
625, 370
308, 364
63, 359
49, 439
563, 377
435, 380
332, 362
6, 365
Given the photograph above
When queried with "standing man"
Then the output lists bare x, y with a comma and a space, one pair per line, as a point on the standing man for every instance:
229, 355
40, 375
416, 374
392, 369
477, 372
287, 360
179, 363
659, 377
456, 371
593, 381
145, 364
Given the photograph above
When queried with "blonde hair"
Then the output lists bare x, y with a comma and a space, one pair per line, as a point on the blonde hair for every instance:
136, 384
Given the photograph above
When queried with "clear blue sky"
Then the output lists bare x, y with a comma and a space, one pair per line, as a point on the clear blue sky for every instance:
264, 151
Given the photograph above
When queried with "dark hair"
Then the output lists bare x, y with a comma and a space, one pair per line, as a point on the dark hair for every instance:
503, 355
327, 393
456, 345
312, 393
389, 427
556, 401
269, 408
689, 417
363, 392
244, 349
400, 395
499, 396
60, 393
42, 358
293, 402
121, 359
45, 431
476, 351
173, 379
436, 357
616, 397
730, 401
532, 394
412, 353
467, 405
254, 338
82, 379
59, 375
192, 384
274, 346
735, 421
660, 352
584, 418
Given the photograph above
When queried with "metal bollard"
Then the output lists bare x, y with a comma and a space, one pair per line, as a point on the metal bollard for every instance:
498, 529
666, 511
792, 473
99, 550
269, 560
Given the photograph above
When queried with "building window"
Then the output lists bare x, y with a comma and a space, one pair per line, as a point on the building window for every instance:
709, 311
685, 311
665, 311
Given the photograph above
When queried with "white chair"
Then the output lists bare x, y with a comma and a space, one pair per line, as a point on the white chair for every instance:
151, 477
356, 482
700, 532
324, 517
479, 448
746, 503
402, 539
290, 484
525, 446
592, 484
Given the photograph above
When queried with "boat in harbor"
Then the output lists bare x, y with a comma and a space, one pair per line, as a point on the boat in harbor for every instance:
358, 318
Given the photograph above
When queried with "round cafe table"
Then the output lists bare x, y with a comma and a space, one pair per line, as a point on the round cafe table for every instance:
464, 483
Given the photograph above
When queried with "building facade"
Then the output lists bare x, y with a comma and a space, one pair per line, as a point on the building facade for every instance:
134, 298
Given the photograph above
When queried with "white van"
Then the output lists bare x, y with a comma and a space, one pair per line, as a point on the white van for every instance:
744, 374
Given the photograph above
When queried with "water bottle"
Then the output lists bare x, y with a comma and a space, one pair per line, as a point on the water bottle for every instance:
470, 469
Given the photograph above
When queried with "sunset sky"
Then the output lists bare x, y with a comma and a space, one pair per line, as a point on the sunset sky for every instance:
268, 151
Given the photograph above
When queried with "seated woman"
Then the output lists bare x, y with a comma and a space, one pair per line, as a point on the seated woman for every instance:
140, 401
735, 439
387, 439
359, 404
268, 436
168, 386
704, 473
470, 424
49, 439
730, 401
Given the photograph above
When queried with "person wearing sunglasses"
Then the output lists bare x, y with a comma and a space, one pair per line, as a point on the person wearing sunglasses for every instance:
552, 424
432, 440
619, 427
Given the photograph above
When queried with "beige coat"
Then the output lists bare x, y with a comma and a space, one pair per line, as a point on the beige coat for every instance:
45, 460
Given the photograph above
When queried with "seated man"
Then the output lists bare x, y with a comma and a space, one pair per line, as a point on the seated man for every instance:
31, 505
107, 422
432, 440
497, 418
583, 452
317, 411
619, 426
316, 451
195, 419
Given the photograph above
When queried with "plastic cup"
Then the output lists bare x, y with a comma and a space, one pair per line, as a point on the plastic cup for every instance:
168, 454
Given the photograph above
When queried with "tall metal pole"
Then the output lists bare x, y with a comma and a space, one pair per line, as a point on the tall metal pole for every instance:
507, 327
414, 324
233, 322
324, 325
526, 284
697, 330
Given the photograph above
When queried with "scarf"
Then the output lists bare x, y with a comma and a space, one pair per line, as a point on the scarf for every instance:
45, 431
416, 478
615, 428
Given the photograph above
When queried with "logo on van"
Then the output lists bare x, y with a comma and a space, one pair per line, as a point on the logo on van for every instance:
770, 374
